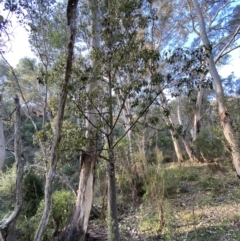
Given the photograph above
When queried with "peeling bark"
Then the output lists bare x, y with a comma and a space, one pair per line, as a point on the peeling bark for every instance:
77, 228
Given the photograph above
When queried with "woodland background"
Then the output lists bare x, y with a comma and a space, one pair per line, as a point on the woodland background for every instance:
121, 119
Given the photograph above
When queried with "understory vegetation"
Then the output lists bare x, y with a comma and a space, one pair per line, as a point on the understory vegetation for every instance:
193, 201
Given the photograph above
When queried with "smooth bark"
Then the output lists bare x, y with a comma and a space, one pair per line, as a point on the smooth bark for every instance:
174, 135
190, 151
197, 113
176, 146
113, 229
2, 139
225, 118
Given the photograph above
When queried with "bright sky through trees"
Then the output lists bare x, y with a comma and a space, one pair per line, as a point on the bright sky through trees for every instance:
19, 48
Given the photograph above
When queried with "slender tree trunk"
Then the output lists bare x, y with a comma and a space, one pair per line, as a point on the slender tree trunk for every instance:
129, 136
176, 146
113, 229
142, 150
126, 119
174, 135
175, 139
77, 228
2, 145
7, 227
72, 15
190, 151
225, 118
2, 139
45, 104
197, 113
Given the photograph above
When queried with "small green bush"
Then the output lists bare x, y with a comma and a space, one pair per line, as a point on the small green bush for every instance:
7, 191
209, 142
33, 193
62, 206
211, 184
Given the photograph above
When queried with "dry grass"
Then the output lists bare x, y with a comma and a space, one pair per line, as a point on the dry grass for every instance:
208, 208
201, 203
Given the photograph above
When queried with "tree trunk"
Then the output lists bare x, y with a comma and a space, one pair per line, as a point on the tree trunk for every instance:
2, 139
7, 227
225, 118
190, 151
2, 145
77, 228
176, 147
127, 123
197, 113
113, 230
174, 135
72, 15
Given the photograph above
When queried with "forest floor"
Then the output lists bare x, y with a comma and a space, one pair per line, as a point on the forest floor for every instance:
201, 203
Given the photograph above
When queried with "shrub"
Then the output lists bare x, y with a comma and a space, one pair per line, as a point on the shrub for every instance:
7, 191
33, 193
61, 210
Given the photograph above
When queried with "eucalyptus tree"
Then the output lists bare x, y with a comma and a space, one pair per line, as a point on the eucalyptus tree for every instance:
167, 16
224, 115
222, 30
118, 52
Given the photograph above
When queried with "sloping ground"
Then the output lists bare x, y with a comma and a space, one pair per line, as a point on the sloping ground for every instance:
202, 205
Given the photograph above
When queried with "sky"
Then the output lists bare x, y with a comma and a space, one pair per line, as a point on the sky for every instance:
20, 48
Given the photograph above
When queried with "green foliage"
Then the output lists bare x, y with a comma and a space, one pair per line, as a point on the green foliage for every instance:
162, 182
209, 183
61, 210
148, 220
63, 202
33, 193
209, 142
7, 191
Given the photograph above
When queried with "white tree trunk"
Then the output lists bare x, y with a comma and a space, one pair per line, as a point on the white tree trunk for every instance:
127, 123
169, 122
175, 139
2, 145
2, 139
77, 227
225, 118
197, 113
191, 153
176, 147
85, 188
